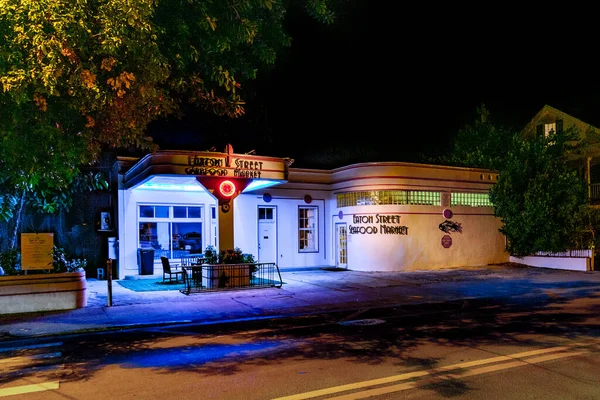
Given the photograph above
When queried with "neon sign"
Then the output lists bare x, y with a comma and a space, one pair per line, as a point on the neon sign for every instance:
227, 188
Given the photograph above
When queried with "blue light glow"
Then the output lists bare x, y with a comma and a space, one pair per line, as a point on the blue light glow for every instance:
259, 184
190, 355
170, 187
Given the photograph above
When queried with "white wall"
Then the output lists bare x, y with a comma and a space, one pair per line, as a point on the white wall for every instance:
129, 229
566, 263
286, 203
480, 242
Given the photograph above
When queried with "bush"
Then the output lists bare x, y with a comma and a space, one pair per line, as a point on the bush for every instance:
61, 262
9, 260
229, 256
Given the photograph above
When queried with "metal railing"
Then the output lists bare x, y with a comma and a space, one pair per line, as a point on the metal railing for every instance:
215, 277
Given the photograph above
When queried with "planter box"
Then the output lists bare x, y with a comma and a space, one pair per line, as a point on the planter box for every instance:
42, 292
237, 275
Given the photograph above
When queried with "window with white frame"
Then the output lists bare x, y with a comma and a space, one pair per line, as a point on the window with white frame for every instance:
307, 229
172, 231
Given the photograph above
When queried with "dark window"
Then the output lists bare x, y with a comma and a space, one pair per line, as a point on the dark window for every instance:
179, 212
147, 211
162, 212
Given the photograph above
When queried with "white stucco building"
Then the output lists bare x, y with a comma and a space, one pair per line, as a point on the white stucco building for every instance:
383, 216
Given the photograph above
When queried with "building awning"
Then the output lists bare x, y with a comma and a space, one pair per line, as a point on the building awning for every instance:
183, 170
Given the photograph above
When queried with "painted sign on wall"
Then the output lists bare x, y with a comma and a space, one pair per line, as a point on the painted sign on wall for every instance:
369, 224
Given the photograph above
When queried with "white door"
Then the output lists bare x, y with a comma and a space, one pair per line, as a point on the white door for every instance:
267, 235
214, 232
341, 245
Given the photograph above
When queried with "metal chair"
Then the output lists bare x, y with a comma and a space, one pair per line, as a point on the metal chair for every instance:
170, 270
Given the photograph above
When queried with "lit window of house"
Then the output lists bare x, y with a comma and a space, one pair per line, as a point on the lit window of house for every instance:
549, 129
307, 229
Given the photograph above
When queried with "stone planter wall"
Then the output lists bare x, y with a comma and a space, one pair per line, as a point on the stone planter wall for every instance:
238, 275
42, 292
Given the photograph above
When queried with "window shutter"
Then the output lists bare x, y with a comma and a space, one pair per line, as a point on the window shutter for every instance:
559, 126
539, 131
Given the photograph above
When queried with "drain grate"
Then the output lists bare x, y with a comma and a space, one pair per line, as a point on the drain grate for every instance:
363, 322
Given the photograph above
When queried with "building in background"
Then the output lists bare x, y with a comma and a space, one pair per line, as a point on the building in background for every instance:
384, 216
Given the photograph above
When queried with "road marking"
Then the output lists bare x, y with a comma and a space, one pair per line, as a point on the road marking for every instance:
454, 376
433, 371
39, 387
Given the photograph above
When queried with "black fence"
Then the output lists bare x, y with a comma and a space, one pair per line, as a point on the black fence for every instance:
215, 277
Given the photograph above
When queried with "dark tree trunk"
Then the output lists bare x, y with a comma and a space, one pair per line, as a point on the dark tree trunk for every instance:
13, 243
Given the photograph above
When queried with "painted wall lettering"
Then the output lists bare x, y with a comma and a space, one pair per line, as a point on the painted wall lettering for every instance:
205, 161
388, 225
205, 166
247, 169
206, 171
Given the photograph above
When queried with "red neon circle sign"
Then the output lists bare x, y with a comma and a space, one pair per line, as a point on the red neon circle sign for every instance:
227, 188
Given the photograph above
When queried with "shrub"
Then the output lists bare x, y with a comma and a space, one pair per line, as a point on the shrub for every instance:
229, 256
9, 260
61, 262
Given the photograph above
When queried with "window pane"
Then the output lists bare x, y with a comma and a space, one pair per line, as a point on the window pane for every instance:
147, 211
307, 229
179, 212
194, 212
187, 236
162, 212
213, 212
269, 213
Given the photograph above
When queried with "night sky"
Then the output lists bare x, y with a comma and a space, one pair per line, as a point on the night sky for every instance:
395, 83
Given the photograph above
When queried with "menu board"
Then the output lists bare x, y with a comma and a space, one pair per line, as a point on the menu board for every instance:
36, 251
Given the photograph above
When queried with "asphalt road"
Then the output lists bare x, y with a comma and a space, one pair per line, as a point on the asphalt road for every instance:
470, 350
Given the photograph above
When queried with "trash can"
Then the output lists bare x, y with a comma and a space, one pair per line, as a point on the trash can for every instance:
145, 261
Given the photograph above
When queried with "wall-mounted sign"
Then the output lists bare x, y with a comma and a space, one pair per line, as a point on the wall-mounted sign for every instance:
208, 164
267, 197
369, 224
308, 199
36, 251
447, 213
446, 241
450, 226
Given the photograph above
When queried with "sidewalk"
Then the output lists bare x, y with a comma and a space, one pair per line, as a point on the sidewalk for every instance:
306, 291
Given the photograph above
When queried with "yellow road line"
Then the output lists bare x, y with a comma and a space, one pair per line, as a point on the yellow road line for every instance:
454, 376
39, 387
417, 374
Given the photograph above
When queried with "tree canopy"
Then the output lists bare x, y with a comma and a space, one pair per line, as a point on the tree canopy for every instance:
81, 77
105, 69
482, 144
540, 195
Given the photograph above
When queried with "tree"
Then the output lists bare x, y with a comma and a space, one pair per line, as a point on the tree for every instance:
78, 78
482, 144
106, 69
539, 197
40, 167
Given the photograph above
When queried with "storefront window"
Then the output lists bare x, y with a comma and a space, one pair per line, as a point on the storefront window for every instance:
178, 236
307, 229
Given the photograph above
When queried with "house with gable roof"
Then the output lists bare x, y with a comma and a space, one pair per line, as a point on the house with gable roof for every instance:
550, 120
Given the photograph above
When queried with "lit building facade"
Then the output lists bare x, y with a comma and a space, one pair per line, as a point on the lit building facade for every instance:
383, 216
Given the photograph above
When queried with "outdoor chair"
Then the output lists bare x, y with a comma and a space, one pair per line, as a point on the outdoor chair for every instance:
170, 270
